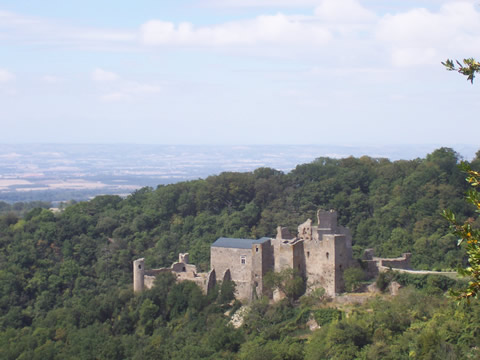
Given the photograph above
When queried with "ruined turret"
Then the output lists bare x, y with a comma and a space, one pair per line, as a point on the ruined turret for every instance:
138, 275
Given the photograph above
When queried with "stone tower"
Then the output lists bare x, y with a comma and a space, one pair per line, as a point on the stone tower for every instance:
138, 275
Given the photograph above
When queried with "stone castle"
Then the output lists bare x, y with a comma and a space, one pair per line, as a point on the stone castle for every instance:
319, 252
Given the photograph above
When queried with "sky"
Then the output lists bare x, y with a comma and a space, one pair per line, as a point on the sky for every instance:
345, 72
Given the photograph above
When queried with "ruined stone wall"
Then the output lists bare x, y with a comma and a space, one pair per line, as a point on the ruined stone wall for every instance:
145, 279
205, 281
348, 241
305, 230
321, 253
262, 263
151, 275
182, 267
283, 254
343, 260
327, 221
397, 263
222, 259
299, 256
320, 264
325, 262
371, 268
374, 264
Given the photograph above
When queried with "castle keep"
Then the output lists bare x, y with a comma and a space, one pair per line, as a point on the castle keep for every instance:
319, 252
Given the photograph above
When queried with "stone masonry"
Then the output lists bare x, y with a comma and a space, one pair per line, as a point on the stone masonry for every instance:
320, 253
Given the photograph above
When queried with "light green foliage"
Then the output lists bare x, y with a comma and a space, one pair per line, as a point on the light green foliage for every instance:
314, 297
430, 283
469, 236
260, 349
338, 340
327, 315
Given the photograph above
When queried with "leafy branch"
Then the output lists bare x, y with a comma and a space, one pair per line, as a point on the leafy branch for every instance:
468, 236
469, 67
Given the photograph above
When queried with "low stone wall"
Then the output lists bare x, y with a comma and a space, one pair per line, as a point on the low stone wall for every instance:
155, 272
397, 263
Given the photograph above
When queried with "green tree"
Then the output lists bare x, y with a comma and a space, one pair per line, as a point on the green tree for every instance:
353, 278
288, 281
469, 236
467, 233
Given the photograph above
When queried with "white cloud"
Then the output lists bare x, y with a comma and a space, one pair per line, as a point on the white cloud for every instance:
139, 88
129, 91
420, 36
260, 3
52, 79
343, 11
100, 75
115, 97
276, 29
6, 76
339, 31
41, 31
9, 19
413, 56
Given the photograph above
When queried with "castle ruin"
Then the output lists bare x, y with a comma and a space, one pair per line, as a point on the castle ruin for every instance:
320, 253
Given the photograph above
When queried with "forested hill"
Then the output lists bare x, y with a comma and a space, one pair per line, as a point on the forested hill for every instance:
72, 270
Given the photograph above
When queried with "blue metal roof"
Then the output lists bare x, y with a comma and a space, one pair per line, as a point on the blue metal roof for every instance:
238, 243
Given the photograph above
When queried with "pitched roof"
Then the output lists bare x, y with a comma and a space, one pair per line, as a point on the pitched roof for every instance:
238, 243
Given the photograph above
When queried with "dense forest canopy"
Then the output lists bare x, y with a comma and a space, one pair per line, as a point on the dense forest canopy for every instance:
65, 278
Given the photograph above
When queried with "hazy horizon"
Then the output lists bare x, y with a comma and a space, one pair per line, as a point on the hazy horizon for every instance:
60, 172
238, 72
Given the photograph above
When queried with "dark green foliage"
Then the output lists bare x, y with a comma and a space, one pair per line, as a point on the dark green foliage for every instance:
326, 316
23, 208
412, 325
353, 278
431, 283
288, 281
383, 280
227, 292
65, 278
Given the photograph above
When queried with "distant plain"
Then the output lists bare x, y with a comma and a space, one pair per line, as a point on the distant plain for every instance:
62, 172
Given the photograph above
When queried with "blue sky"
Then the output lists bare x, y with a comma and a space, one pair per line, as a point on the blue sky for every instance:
238, 72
